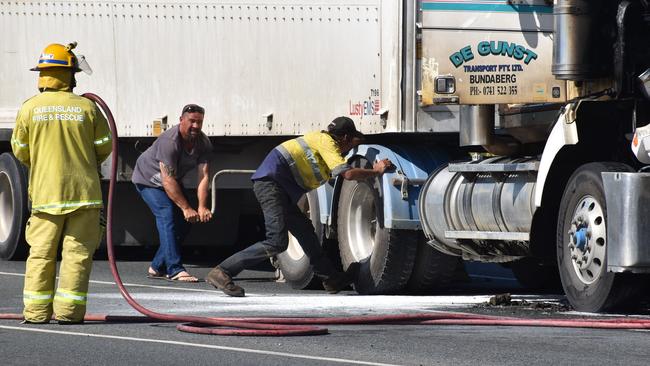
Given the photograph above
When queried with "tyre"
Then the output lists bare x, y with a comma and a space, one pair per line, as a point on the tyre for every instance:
432, 270
13, 208
534, 275
582, 244
293, 262
386, 256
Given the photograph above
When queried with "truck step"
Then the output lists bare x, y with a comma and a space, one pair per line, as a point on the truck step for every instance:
488, 235
531, 166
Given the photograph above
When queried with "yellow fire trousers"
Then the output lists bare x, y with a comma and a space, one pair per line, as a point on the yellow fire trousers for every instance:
80, 234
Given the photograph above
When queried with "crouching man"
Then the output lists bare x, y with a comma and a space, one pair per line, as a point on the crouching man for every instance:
290, 170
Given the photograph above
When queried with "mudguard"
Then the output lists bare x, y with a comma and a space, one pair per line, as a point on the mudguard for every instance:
564, 133
400, 198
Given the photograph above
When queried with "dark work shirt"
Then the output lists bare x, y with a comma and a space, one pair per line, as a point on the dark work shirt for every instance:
168, 149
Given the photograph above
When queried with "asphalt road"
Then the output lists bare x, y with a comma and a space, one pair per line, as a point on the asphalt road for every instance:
161, 344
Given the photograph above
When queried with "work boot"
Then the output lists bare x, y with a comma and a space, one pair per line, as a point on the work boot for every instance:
340, 280
222, 281
35, 322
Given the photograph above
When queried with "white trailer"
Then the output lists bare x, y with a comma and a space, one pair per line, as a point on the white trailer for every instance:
265, 71
526, 88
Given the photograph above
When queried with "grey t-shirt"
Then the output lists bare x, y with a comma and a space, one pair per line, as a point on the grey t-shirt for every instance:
168, 149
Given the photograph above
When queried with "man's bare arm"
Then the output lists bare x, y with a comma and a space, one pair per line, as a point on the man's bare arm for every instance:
175, 193
202, 192
378, 169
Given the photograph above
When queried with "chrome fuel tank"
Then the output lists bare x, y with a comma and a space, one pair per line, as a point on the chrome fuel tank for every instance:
481, 202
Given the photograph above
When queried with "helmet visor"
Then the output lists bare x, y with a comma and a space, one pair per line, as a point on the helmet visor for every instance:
83, 65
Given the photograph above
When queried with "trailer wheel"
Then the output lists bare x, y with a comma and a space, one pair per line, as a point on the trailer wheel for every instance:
433, 270
293, 262
582, 244
385, 255
13, 208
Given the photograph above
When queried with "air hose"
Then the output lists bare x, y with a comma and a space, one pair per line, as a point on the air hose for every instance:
286, 326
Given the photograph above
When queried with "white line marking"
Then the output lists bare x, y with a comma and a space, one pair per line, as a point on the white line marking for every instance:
12, 274
127, 284
210, 346
152, 286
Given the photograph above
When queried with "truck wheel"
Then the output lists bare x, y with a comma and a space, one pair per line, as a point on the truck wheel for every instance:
385, 255
13, 208
432, 270
293, 262
582, 243
534, 275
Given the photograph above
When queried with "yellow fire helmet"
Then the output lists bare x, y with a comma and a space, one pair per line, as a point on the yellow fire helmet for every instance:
58, 55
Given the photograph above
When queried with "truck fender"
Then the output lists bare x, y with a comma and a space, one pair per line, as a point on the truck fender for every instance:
564, 132
400, 195
324, 195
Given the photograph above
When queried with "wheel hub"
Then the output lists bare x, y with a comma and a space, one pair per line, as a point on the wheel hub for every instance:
587, 240
580, 238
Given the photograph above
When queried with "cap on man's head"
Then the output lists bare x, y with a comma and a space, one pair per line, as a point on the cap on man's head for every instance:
343, 126
193, 108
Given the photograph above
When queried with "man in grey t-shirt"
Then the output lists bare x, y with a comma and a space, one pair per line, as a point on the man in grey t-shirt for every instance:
157, 177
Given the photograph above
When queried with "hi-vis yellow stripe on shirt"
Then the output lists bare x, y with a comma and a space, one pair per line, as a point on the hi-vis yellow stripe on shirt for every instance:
312, 158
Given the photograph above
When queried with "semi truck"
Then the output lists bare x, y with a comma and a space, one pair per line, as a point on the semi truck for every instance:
511, 124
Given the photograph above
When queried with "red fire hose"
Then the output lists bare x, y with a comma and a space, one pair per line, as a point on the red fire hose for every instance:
251, 326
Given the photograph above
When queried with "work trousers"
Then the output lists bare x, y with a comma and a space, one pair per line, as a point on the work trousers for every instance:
172, 230
80, 234
281, 216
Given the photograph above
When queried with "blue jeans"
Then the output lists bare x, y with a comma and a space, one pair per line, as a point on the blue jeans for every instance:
172, 229
281, 215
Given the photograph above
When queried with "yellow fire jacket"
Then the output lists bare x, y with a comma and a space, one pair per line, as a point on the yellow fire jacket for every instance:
62, 138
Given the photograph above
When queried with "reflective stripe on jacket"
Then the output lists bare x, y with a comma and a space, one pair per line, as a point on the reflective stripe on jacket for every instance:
62, 138
313, 159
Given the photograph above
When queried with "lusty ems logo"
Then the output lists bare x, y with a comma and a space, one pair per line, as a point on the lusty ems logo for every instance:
496, 48
365, 108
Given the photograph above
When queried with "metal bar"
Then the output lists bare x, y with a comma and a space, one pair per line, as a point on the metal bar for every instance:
220, 174
488, 235
497, 168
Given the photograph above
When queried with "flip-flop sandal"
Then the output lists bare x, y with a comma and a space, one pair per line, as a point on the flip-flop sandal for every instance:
181, 278
156, 275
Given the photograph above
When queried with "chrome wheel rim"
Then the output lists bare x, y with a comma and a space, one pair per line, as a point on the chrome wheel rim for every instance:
294, 250
588, 240
362, 221
6, 206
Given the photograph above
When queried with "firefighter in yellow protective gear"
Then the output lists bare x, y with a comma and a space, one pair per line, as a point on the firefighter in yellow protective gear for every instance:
62, 138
